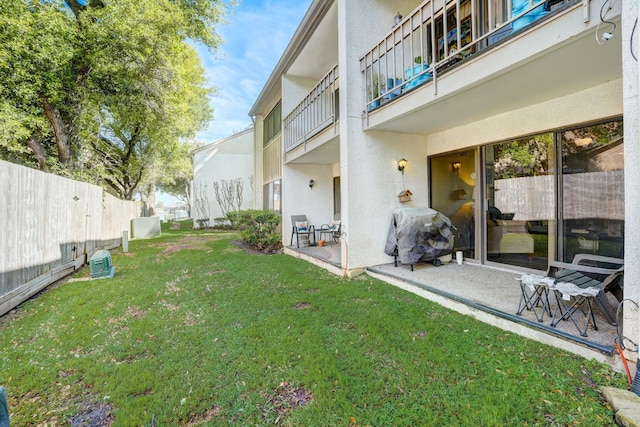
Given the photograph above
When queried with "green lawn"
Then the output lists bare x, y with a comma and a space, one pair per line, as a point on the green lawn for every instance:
194, 331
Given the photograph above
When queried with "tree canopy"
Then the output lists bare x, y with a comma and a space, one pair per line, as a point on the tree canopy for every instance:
107, 91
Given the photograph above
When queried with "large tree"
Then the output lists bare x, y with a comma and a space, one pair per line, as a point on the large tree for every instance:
104, 89
38, 46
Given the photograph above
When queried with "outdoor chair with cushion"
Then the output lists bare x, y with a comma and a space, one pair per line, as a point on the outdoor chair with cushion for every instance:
301, 227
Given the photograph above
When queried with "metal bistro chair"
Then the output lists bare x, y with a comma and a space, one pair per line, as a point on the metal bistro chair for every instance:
333, 231
301, 227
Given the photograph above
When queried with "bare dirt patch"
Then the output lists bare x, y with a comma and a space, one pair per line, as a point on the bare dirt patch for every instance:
284, 399
208, 416
92, 414
195, 243
302, 305
174, 249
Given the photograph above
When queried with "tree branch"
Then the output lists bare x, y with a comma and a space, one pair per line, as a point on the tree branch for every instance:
59, 131
39, 152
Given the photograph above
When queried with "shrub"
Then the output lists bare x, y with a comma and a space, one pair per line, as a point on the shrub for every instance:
222, 223
258, 228
203, 222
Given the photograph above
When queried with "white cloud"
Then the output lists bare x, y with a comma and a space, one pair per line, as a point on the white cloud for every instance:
255, 38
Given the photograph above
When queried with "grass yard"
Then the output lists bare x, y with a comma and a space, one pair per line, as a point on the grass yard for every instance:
194, 331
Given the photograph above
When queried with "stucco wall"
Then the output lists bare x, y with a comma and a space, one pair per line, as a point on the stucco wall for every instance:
592, 104
294, 89
227, 159
372, 189
631, 325
299, 199
370, 180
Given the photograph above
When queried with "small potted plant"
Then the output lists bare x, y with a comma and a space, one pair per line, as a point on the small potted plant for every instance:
412, 73
395, 88
417, 68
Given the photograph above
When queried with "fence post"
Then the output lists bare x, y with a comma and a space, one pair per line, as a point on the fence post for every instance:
125, 243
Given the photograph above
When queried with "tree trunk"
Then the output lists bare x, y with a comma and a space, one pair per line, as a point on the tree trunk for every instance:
148, 196
39, 152
59, 131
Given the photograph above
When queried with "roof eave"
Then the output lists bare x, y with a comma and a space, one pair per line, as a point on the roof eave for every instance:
316, 12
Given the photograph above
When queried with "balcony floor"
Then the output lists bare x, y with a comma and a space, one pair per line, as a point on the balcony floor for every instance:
489, 294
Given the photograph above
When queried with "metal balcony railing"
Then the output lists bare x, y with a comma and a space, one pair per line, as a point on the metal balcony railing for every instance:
438, 34
317, 111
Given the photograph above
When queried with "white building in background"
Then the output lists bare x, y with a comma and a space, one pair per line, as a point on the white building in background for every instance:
507, 114
221, 163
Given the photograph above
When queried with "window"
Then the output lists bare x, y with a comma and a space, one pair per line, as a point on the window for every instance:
272, 124
272, 196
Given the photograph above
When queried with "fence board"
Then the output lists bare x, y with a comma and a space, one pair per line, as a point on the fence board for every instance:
51, 226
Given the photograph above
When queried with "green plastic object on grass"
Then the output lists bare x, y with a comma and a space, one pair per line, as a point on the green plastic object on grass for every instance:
4, 409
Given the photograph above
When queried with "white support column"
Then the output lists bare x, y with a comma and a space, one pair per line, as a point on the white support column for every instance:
631, 78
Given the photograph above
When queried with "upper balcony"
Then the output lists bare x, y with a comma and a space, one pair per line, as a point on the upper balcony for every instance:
315, 113
478, 49
310, 87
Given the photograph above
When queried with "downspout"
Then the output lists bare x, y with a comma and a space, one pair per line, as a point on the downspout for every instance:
254, 184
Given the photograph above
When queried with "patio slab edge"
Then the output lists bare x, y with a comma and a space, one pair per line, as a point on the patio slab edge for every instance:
602, 349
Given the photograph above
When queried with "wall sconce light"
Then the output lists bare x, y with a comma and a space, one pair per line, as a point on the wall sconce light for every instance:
311, 183
456, 166
397, 18
402, 163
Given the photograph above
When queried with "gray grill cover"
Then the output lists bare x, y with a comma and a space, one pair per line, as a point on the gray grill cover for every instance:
418, 234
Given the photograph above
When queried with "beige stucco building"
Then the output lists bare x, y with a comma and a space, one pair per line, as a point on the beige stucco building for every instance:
517, 120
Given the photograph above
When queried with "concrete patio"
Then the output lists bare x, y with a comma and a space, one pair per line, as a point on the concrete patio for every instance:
489, 294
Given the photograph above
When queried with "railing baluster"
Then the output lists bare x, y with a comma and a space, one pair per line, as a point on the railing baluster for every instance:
444, 30
315, 112
474, 32
423, 54
491, 15
434, 41
458, 27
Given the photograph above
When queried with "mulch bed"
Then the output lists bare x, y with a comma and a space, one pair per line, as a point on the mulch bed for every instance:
250, 249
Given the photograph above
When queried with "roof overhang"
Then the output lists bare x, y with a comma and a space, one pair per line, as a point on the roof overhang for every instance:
316, 12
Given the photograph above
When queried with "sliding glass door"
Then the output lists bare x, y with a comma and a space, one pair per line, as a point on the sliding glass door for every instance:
453, 193
534, 199
592, 191
519, 201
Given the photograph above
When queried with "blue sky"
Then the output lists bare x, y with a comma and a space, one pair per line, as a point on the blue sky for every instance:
257, 33
255, 37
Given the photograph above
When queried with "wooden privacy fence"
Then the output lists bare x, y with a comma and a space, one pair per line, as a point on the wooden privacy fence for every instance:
50, 227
